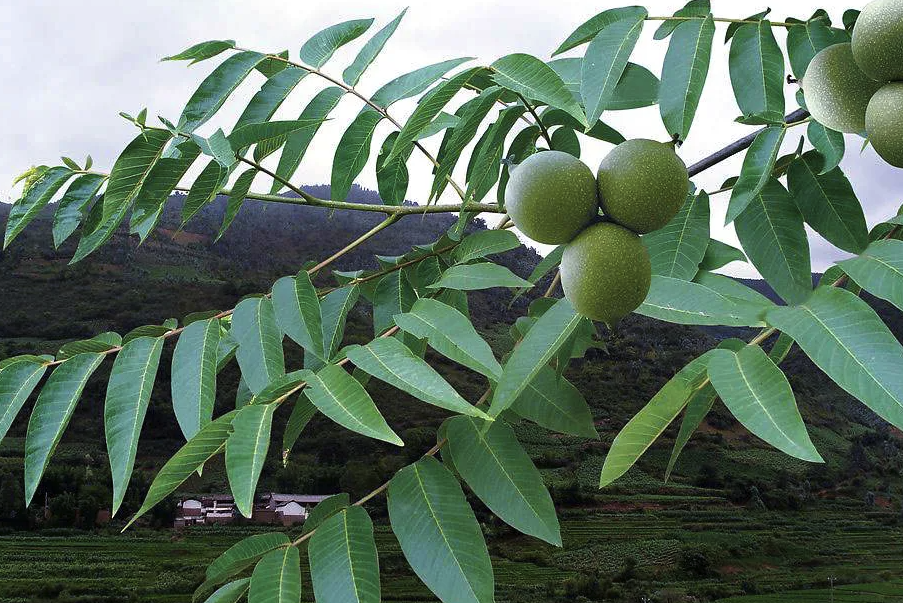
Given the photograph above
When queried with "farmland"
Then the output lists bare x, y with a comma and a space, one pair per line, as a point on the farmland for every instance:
710, 551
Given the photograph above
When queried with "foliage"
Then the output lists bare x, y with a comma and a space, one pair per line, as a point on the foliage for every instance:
419, 299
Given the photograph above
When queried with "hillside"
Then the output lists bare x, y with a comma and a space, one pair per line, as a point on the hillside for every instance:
737, 517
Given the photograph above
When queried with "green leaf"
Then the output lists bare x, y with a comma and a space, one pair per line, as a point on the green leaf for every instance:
693, 8
324, 510
544, 266
216, 88
638, 87
697, 407
684, 74
230, 593
334, 310
879, 270
688, 303
392, 177
197, 451
649, 423
451, 334
193, 380
147, 331
260, 133
757, 72
772, 234
128, 395
536, 349
719, 254
393, 295
218, 147
486, 160
370, 50
428, 107
484, 243
828, 203
472, 277
201, 51
757, 393
352, 152
343, 399
72, 207
323, 44
829, 143
297, 310
588, 30
246, 451
17, 380
204, 189
259, 352
52, 413
391, 361
605, 61
677, 249
848, 341
36, 197
534, 80
236, 199
806, 40
565, 140
159, 184
243, 554
99, 343
471, 114
279, 389
756, 172
438, 533
555, 404
443, 121
302, 412
271, 95
501, 474
277, 577
733, 27
296, 144
344, 566
413, 83
733, 290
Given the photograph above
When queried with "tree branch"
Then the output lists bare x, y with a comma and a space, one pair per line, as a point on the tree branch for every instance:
739, 145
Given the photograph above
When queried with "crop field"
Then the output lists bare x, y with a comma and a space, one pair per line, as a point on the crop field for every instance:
785, 558
881, 592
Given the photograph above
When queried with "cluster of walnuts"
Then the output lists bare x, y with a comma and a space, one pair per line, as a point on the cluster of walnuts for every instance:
858, 88
554, 198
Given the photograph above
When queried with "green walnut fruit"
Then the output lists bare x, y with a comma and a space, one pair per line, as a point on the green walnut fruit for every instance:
551, 197
878, 40
884, 123
642, 184
837, 91
605, 272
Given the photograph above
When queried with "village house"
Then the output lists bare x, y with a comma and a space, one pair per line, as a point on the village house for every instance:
271, 508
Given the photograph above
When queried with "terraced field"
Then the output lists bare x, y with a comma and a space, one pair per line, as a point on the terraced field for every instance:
774, 554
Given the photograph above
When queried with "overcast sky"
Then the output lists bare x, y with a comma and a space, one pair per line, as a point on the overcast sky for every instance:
69, 68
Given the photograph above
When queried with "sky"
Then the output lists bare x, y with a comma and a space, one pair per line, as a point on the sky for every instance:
67, 69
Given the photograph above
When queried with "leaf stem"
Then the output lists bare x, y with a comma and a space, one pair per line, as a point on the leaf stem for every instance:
542, 126
723, 20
